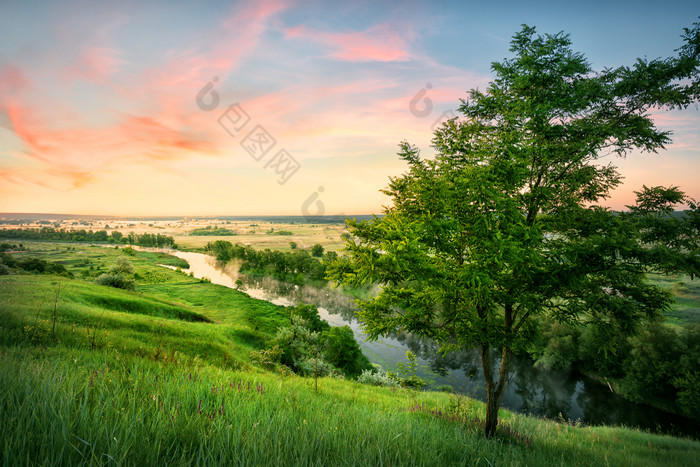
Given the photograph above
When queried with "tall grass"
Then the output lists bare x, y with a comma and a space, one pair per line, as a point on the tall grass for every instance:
67, 407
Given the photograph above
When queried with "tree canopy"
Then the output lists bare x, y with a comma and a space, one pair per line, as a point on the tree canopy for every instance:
506, 222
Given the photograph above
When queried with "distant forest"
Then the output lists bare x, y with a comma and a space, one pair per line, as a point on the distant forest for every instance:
98, 236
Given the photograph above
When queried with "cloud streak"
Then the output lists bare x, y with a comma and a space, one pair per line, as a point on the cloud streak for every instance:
380, 43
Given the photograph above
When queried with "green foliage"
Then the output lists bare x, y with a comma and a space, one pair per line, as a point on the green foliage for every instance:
116, 280
408, 372
603, 348
309, 315
7, 247
33, 265
267, 358
558, 346
317, 250
279, 232
81, 235
504, 223
296, 266
343, 352
297, 344
664, 363
311, 347
122, 266
211, 231
376, 377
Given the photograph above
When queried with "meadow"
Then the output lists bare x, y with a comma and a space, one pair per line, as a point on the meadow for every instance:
164, 375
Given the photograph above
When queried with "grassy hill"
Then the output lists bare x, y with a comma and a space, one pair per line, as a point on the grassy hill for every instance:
163, 375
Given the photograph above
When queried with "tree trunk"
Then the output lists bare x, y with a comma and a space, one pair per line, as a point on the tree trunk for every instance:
494, 390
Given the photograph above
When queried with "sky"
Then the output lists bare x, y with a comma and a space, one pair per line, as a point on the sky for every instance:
273, 107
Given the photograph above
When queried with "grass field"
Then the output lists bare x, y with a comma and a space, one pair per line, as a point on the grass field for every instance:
686, 291
260, 236
164, 375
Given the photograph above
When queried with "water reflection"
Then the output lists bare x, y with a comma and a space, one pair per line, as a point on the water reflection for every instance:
533, 390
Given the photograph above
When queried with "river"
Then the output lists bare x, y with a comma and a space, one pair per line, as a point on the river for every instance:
553, 394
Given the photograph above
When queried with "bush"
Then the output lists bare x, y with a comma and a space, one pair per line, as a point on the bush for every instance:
377, 378
122, 266
343, 351
309, 313
317, 367
116, 280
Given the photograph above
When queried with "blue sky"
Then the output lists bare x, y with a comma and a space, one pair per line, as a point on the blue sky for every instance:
99, 111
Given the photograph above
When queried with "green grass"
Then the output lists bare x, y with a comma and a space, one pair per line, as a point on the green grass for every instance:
130, 378
686, 291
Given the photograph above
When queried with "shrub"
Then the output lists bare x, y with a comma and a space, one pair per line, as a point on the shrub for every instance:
313, 366
343, 351
309, 313
116, 280
122, 266
377, 378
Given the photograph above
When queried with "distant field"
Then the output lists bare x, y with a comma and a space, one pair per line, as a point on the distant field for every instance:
256, 233
261, 235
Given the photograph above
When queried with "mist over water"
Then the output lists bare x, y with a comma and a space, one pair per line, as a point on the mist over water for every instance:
553, 394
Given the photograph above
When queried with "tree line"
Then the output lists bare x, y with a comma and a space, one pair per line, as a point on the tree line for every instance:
97, 236
298, 266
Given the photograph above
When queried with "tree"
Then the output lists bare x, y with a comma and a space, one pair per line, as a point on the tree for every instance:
504, 225
317, 250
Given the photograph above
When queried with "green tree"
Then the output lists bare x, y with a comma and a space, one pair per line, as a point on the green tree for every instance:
317, 250
504, 223
343, 351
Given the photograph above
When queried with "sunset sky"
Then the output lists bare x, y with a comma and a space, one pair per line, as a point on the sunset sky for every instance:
107, 107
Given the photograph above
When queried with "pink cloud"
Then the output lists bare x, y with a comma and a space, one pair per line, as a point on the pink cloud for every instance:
380, 43
96, 64
12, 81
